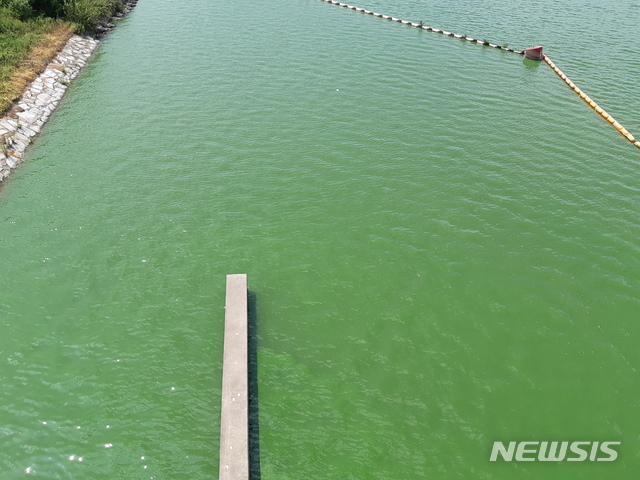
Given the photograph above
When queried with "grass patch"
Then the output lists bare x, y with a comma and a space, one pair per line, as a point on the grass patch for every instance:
33, 31
86, 13
25, 50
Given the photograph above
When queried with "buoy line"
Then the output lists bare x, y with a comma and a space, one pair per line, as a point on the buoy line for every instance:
534, 53
425, 27
589, 101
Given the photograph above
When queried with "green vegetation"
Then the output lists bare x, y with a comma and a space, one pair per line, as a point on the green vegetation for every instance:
32, 31
83, 13
86, 13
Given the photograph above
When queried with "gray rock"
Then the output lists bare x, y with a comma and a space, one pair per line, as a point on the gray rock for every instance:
39, 100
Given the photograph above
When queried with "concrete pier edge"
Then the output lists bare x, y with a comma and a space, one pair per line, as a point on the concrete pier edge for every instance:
234, 416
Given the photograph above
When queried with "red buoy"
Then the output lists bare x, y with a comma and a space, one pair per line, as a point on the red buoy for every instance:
534, 53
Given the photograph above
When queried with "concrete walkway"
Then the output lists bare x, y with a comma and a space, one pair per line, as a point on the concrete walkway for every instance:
234, 418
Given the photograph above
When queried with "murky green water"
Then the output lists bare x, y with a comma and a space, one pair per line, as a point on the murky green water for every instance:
443, 243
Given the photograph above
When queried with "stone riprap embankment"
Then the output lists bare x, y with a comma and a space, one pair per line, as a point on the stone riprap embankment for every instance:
106, 26
39, 100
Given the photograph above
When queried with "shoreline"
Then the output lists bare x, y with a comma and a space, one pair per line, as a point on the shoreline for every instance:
26, 119
39, 100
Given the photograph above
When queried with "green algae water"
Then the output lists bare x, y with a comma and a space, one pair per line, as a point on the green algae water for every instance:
442, 243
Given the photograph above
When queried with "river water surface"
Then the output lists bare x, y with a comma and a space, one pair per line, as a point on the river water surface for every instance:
442, 241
